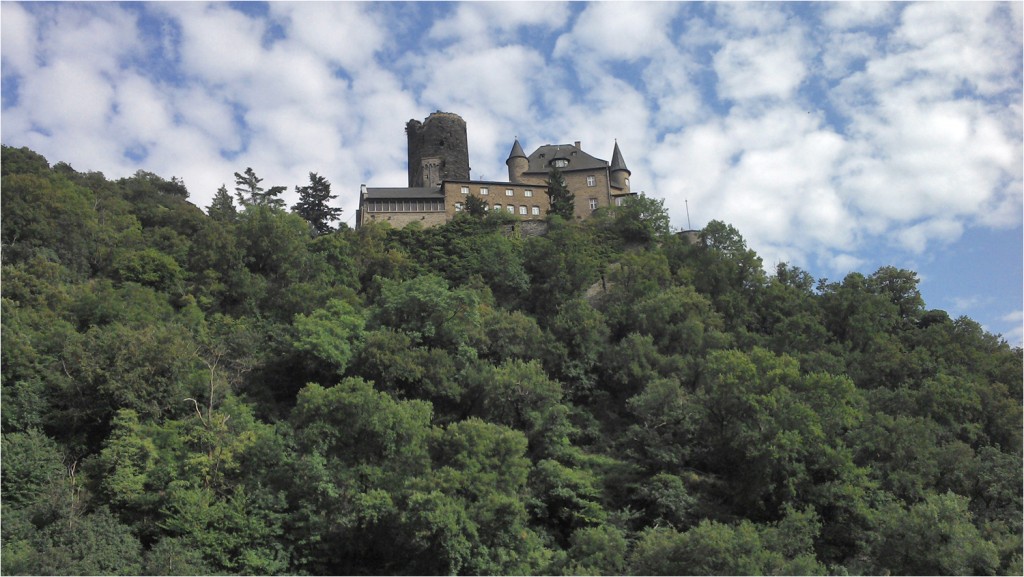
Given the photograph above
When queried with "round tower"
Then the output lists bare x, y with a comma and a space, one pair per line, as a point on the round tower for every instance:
517, 163
438, 150
618, 172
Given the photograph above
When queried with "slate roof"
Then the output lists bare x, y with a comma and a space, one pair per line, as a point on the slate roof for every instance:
405, 192
617, 162
517, 150
578, 160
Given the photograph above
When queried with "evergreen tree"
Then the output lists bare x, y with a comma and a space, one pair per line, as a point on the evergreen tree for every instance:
250, 193
222, 208
563, 201
313, 206
476, 206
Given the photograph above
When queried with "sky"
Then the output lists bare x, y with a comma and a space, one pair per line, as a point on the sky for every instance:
837, 137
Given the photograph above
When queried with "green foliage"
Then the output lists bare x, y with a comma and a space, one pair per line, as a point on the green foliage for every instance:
562, 202
640, 219
312, 205
476, 206
935, 537
428, 311
249, 192
222, 208
244, 393
331, 334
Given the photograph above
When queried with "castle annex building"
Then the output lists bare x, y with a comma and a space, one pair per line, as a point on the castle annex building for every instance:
439, 181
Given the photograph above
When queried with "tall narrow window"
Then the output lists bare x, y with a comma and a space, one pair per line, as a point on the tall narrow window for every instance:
522, 210
591, 180
593, 204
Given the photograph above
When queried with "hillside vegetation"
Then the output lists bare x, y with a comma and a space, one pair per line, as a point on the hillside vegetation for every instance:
249, 392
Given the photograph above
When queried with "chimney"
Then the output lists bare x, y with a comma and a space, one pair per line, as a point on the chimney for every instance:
362, 190
578, 145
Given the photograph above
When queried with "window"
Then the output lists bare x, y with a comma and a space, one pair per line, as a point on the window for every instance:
618, 201
593, 204
559, 163
535, 210
465, 190
522, 210
591, 180
511, 208
458, 207
527, 193
627, 182
497, 207
484, 191
509, 192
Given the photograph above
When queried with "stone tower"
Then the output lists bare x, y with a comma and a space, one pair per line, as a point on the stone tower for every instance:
618, 171
438, 150
517, 163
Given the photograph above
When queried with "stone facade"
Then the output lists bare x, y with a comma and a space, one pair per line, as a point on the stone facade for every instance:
438, 150
439, 181
527, 201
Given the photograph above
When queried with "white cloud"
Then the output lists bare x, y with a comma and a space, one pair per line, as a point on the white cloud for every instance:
846, 15
1014, 334
17, 39
342, 33
743, 18
487, 24
771, 66
847, 52
219, 45
618, 31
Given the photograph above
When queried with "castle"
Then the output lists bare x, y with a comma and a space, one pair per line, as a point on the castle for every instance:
439, 180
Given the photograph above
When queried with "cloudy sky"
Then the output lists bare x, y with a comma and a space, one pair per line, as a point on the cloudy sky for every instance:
837, 137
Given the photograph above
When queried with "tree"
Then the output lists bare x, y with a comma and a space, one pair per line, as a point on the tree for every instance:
934, 537
250, 193
222, 209
313, 206
476, 206
330, 335
562, 200
640, 219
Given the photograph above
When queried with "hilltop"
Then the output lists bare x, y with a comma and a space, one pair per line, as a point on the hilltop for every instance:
249, 390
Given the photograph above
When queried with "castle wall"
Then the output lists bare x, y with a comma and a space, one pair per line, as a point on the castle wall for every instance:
403, 219
533, 198
578, 184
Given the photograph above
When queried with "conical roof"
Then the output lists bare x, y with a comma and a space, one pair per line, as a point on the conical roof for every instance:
617, 162
517, 151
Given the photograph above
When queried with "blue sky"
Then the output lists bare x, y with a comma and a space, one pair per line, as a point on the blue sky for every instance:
834, 136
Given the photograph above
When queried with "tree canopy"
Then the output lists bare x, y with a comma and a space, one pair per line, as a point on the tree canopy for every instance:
252, 391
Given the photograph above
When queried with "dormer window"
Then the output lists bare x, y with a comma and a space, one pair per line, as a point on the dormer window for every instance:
559, 163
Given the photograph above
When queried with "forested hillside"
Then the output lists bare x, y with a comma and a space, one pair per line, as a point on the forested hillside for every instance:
251, 392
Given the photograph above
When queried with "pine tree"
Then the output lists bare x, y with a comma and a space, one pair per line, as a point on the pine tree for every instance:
561, 199
313, 206
222, 208
250, 193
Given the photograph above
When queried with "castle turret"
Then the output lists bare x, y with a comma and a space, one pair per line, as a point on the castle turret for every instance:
438, 150
617, 170
517, 163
